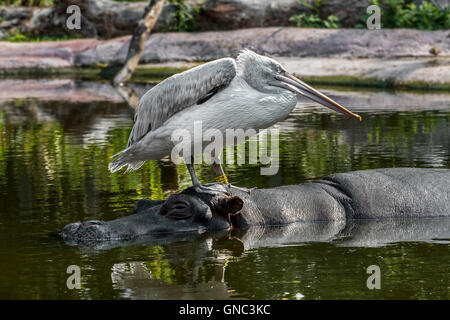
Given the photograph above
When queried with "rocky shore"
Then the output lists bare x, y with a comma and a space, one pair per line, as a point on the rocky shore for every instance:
85, 91
402, 57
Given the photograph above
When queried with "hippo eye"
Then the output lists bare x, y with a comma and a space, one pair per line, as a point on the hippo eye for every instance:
179, 210
180, 205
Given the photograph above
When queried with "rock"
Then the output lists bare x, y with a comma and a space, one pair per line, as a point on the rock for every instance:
58, 89
435, 51
204, 46
100, 18
398, 70
13, 13
103, 18
51, 54
349, 12
109, 19
237, 14
285, 42
400, 56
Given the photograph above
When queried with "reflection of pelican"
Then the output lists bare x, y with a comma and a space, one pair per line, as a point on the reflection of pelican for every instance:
176, 274
253, 92
136, 281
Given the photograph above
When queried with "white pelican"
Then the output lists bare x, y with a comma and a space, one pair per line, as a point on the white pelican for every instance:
251, 92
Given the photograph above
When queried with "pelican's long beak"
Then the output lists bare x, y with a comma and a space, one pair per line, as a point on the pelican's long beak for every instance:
303, 89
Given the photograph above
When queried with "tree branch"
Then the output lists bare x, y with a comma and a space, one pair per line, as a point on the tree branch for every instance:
137, 42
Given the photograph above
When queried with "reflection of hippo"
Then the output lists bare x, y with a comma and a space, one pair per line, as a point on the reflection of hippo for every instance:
370, 194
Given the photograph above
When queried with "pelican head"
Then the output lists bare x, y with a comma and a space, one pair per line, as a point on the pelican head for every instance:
269, 76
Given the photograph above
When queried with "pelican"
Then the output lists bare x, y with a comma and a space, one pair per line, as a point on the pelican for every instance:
253, 91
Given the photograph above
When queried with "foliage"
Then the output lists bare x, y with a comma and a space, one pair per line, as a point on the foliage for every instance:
314, 20
27, 3
183, 20
16, 36
407, 14
307, 20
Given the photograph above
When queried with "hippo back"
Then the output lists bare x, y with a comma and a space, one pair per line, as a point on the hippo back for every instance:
395, 192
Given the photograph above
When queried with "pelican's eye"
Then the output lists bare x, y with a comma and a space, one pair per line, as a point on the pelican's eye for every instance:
279, 69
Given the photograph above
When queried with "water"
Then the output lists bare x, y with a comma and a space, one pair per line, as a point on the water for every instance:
56, 139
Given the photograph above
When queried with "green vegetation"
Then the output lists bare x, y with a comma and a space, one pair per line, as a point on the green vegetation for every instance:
16, 36
306, 20
184, 17
314, 20
407, 14
27, 3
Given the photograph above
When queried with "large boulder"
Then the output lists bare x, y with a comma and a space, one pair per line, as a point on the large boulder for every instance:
282, 42
100, 18
108, 19
237, 14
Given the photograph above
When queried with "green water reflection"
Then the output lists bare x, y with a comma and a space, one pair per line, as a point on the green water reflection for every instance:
53, 170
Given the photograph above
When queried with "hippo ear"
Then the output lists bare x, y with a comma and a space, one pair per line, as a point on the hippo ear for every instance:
233, 204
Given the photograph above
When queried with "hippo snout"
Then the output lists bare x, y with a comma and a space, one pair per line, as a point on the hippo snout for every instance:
87, 230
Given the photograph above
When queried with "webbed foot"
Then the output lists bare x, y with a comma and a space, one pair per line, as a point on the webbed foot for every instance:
239, 188
212, 188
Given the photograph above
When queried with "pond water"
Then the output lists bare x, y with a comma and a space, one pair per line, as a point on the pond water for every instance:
56, 140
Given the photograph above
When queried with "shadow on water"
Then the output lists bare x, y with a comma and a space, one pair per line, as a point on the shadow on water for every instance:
56, 140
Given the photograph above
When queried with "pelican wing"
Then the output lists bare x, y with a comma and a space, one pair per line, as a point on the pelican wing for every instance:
179, 92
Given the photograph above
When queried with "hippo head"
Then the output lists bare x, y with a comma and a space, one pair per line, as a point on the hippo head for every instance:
185, 212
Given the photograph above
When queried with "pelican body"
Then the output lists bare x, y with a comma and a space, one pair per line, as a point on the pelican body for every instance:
251, 92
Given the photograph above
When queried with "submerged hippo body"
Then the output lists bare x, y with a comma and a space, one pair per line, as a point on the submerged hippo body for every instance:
370, 194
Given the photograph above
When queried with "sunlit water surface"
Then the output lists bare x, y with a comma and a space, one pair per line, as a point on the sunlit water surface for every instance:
55, 146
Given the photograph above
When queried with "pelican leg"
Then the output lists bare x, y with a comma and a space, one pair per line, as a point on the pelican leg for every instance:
211, 189
220, 174
222, 177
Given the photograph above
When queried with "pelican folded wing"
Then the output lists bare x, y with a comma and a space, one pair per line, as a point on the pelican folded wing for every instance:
179, 92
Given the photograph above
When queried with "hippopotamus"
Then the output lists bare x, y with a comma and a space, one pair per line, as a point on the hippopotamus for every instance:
341, 198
